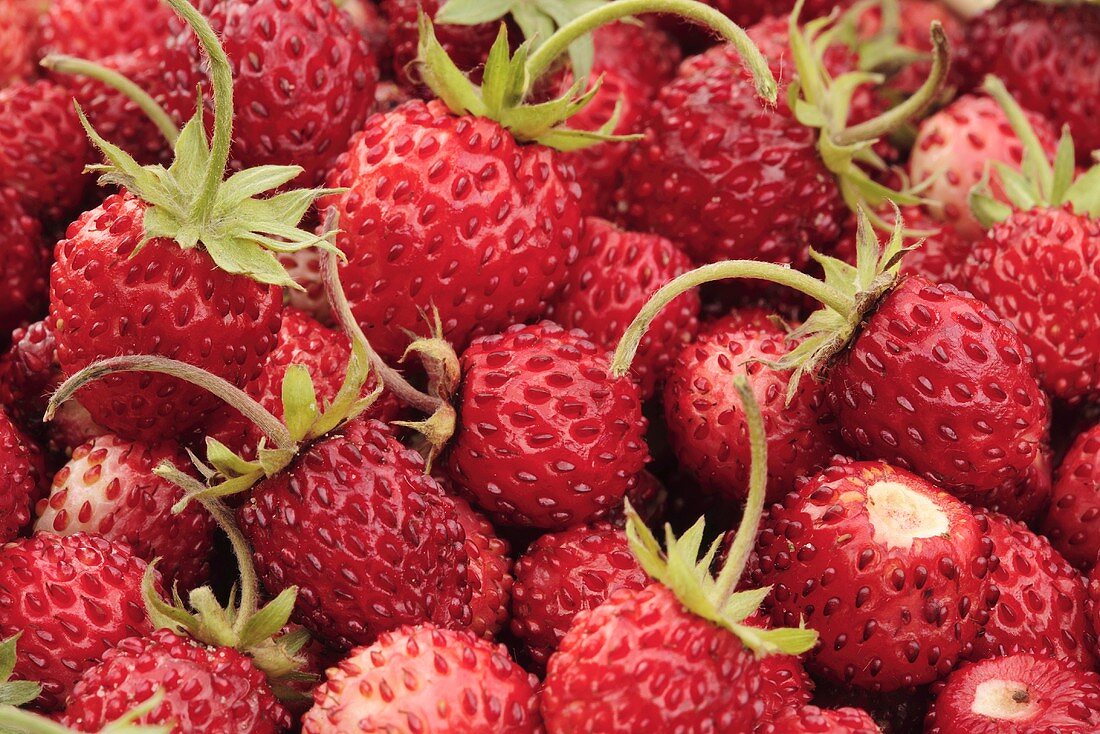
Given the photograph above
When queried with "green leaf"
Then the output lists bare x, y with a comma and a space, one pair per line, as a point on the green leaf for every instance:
1020, 190
226, 461
19, 692
1084, 194
1065, 167
300, 410
496, 83
267, 622
443, 77
743, 603
162, 614
192, 157
254, 181
7, 656
473, 12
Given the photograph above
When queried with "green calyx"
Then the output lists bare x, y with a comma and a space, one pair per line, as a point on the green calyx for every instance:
688, 575
14, 692
190, 202
509, 79
1038, 182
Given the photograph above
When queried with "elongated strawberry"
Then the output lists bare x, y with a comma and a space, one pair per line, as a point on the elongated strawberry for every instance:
1073, 520
25, 263
22, 470
426, 679
96, 29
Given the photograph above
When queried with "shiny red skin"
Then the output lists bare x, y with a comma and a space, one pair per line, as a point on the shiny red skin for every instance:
43, 148
615, 276
707, 426
18, 37
21, 478
24, 265
939, 256
1040, 269
450, 212
889, 617
546, 436
73, 597
565, 573
28, 374
1072, 522
814, 720
207, 690
108, 488
489, 571
1092, 604
1037, 599
784, 682
641, 662
1054, 67
1067, 698
938, 384
391, 552
426, 679
468, 46
97, 29
108, 301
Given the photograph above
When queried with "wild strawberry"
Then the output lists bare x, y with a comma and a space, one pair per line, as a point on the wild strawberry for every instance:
1037, 599
1047, 55
467, 45
814, 720
21, 478
889, 569
489, 569
709, 434
546, 437
108, 488
1072, 522
1021, 692
24, 264
42, 148
205, 690
783, 681
426, 679
18, 36
615, 275
96, 29
565, 573
74, 597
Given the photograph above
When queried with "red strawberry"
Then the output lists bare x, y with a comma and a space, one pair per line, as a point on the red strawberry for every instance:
565, 573
468, 46
304, 268
939, 255
73, 597
490, 571
1037, 599
1073, 521
546, 437
783, 681
1048, 55
813, 720
42, 148
910, 36
1018, 693
392, 548
1092, 603
22, 470
709, 432
108, 488
890, 570
421, 679
18, 37
96, 29
954, 148
617, 272
207, 690
24, 264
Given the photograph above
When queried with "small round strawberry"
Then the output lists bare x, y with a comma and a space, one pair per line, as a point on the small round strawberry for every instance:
18, 37
490, 571
108, 488
1037, 600
392, 549
467, 45
206, 690
74, 597
546, 436
565, 573
616, 274
890, 570
814, 720
96, 29
21, 478
426, 679
1072, 522
784, 681
24, 262
1018, 693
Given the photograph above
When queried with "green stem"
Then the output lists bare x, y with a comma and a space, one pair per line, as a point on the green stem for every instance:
221, 75
249, 585
271, 426
1041, 168
559, 43
17, 721
750, 269
916, 104
74, 66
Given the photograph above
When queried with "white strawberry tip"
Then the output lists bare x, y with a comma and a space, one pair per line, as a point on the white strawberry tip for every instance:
899, 515
1004, 700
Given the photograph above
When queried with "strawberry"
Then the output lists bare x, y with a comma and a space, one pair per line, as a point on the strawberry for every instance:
22, 470
615, 275
814, 720
489, 571
1072, 522
563, 574
889, 569
902, 27
953, 149
18, 36
74, 597
108, 488
1037, 599
746, 13
1052, 67
25, 264
304, 268
546, 437
421, 679
709, 434
468, 46
96, 29
42, 148
784, 682
204, 690
1024, 693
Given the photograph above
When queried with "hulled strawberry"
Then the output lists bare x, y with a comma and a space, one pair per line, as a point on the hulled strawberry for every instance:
109, 488
1073, 520
421, 679
890, 570
1020, 693
96, 29
616, 273
814, 720
74, 597
24, 262
546, 436
1037, 599
489, 570
563, 574
21, 478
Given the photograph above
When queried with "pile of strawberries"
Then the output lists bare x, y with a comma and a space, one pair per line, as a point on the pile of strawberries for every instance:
550, 366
